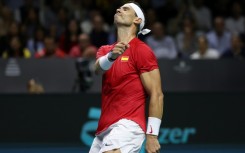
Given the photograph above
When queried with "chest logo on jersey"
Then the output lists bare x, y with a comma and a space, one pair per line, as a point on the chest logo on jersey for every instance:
124, 58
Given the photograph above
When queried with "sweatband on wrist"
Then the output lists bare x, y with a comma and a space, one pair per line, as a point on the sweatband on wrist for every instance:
153, 126
104, 62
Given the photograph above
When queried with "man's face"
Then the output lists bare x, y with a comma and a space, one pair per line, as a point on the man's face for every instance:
125, 15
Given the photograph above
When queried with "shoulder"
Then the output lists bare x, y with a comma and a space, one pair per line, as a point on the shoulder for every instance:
141, 51
140, 46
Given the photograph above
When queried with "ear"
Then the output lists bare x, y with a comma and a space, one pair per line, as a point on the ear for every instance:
137, 21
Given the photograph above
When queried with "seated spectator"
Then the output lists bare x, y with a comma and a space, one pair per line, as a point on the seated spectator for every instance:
27, 6
184, 11
16, 49
203, 15
162, 45
55, 15
87, 24
69, 38
236, 22
50, 49
187, 39
151, 18
31, 22
84, 47
7, 17
204, 52
237, 49
219, 38
36, 44
98, 35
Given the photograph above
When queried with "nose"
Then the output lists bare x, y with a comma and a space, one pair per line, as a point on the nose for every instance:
118, 10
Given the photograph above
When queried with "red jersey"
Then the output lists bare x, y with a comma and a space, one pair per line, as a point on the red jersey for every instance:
123, 95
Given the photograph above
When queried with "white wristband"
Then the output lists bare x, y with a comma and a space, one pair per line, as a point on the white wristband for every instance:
104, 62
153, 126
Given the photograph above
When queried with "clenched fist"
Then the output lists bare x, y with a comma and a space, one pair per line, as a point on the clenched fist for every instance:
118, 50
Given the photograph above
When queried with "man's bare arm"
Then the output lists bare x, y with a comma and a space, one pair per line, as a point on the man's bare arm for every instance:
152, 84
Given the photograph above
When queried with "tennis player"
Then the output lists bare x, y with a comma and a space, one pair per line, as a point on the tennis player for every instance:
130, 74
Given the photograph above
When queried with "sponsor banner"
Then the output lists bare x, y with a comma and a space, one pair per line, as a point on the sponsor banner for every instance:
189, 118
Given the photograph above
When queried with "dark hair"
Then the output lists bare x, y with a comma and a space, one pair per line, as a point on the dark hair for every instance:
136, 3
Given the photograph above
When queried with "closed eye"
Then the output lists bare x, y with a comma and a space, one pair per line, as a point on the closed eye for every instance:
125, 8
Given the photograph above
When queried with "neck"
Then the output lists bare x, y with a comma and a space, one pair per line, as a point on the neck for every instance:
125, 34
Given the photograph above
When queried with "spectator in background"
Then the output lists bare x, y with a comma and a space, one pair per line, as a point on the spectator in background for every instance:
69, 38
53, 31
187, 38
49, 13
7, 17
76, 9
162, 45
168, 11
237, 49
3, 33
236, 22
87, 24
16, 49
26, 7
219, 38
185, 11
219, 7
151, 18
55, 15
204, 52
202, 15
98, 34
31, 22
36, 43
50, 49
12, 31
84, 48
13, 4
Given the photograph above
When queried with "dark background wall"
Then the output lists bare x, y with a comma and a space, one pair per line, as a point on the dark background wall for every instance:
189, 118
60, 75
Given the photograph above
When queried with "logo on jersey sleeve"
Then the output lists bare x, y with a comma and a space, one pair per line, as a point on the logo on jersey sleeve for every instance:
124, 58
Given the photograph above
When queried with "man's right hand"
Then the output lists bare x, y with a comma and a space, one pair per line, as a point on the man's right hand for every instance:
118, 50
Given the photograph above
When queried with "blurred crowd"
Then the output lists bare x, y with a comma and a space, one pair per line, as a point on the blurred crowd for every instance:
190, 29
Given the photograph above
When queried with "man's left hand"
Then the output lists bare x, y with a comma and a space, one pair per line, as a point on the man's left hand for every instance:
152, 144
